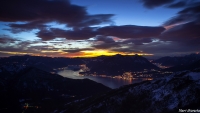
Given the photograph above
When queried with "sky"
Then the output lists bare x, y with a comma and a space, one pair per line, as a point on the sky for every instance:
87, 28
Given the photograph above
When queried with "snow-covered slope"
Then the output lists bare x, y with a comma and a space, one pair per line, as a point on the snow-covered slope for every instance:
177, 91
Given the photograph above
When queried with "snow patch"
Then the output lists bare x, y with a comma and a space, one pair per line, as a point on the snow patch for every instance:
194, 75
174, 104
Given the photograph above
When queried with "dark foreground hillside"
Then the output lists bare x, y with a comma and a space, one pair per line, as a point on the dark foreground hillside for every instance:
170, 94
36, 91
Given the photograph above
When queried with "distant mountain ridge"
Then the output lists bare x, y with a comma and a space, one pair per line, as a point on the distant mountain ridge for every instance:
193, 65
17, 63
182, 60
181, 63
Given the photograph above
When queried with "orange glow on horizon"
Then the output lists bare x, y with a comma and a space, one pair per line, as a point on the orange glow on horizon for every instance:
106, 53
94, 53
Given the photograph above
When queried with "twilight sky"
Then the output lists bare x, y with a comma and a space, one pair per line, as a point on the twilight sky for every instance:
71, 28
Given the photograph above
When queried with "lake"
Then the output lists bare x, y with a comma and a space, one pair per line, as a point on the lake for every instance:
109, 82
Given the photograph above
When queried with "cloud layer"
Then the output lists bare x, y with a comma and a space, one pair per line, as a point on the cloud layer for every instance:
177, 34
36, 13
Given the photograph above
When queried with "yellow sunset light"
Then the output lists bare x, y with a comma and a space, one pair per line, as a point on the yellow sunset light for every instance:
98, 53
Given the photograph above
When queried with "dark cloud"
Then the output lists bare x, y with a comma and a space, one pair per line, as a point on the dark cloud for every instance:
30, 10
182, 33
124, 32
39, 12
16, 28
169, 3
105, 39
155, 3
46, 35
193, 8
167, 48
187, 34
125, 50
77, 50
43, 48
93, 20
178, 4
57, 43
27, 43
131, 31
17, 49
26, 47
138, 41
180, 19
107, 45
185, 27
9, 44
80, 41
13, 49
104, 42
182, 3
76, 34
188, 14
7, 39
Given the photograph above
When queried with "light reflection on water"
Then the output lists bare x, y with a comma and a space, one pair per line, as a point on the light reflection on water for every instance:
110, 82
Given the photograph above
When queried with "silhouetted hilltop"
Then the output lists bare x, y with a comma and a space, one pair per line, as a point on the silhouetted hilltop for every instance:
118, 64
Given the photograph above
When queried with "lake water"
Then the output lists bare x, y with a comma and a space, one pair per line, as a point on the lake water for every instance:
110, 82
